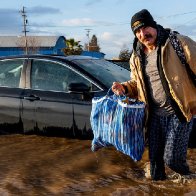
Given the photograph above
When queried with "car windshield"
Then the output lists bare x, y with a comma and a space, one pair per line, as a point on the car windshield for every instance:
103, 70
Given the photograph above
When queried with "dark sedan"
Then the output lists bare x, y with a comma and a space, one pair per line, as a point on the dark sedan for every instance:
51, 95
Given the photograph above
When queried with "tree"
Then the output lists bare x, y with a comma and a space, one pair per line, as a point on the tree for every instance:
93, 46
72, 47
33, 44
125, 54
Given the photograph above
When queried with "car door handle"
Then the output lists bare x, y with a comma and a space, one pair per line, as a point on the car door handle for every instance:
31, 98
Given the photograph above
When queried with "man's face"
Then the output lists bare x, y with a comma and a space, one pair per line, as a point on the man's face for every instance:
147, 36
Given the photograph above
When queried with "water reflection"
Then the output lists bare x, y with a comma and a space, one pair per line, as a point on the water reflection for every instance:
35, 165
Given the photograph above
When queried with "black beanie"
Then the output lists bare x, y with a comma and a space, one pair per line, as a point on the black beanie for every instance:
141, 19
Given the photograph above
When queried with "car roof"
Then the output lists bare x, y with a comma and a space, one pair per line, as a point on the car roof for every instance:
72, 57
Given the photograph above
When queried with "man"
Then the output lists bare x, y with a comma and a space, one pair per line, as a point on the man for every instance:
159, 79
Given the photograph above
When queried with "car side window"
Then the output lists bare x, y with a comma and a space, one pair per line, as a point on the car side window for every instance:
48, 75
10, 72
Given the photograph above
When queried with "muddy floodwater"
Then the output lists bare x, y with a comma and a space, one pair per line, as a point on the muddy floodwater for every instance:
36, 165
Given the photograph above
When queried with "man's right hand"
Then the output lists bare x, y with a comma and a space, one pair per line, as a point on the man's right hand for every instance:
118, 88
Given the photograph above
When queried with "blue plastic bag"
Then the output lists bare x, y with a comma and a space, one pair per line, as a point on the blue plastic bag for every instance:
119, 124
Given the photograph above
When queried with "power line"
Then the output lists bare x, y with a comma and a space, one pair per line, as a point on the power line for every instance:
185, 22
88, 36
25, 21
180, 14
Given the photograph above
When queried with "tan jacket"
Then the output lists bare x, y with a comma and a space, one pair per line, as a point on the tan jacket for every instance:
181, 87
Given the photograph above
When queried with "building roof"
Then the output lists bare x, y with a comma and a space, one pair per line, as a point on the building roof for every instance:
19, 41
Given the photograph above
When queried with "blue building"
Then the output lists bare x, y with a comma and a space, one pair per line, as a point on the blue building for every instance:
99, 55
15, 45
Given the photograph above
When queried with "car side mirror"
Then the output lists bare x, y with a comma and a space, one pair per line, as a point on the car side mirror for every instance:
78, 87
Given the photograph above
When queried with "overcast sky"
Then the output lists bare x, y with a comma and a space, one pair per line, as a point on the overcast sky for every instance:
109, 20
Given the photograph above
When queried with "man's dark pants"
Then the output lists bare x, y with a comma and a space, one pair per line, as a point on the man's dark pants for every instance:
168, 143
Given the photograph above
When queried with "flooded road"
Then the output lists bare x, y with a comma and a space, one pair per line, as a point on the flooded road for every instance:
36, 165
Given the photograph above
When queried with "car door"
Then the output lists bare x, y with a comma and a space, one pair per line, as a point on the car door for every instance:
11, 89
57, 110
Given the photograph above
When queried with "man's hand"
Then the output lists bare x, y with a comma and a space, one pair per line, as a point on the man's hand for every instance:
118, 88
